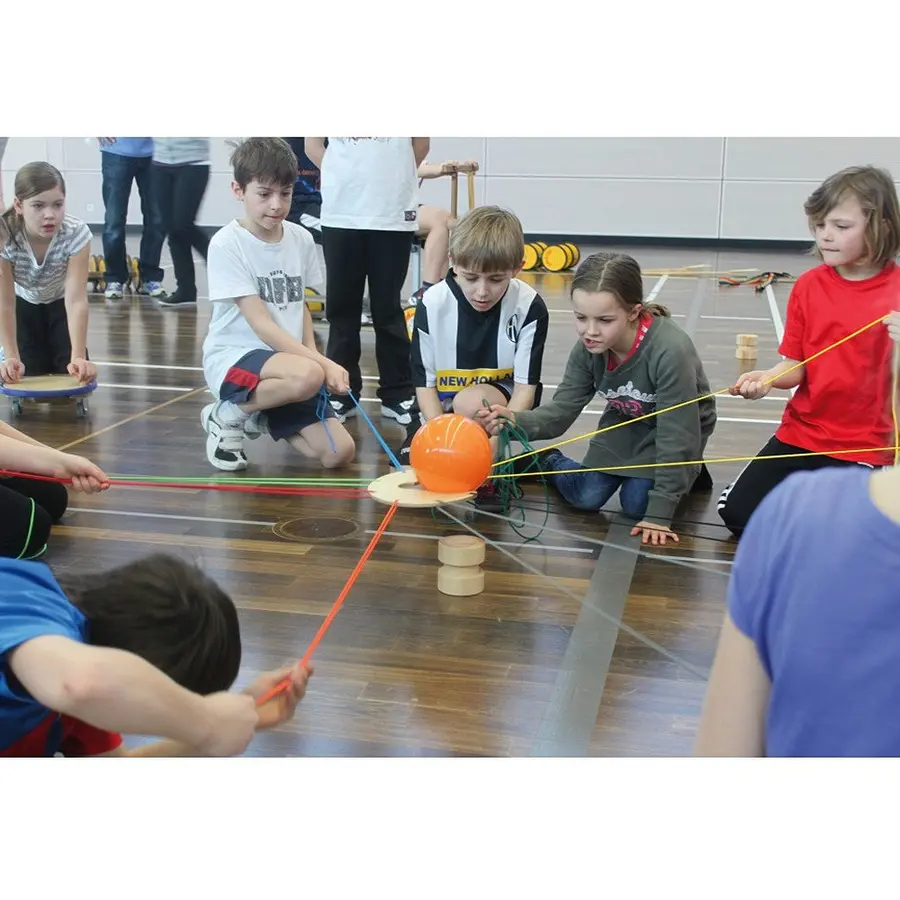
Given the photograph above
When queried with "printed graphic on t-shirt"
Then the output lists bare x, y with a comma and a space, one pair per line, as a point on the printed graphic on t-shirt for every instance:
629, 401
279, 289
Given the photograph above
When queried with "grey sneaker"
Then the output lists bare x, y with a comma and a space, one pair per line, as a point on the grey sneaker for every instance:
151, 289
115, 290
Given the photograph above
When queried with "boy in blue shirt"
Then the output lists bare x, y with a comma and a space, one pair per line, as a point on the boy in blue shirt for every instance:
148, 648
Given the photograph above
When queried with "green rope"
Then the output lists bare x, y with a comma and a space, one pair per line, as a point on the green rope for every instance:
268, 482
509, 492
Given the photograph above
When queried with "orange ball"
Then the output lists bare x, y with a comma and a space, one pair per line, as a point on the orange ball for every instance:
451, 454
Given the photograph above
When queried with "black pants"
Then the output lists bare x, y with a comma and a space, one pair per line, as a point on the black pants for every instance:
179, 191
740, 499
27, 510
42, 333
300, 207
352, 256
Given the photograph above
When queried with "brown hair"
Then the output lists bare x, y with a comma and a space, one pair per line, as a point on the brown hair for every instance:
268, 160
32, 179
620, 275
167, 611
488, 239
877, 195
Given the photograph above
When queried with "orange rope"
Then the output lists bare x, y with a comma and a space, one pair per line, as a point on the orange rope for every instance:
286, 683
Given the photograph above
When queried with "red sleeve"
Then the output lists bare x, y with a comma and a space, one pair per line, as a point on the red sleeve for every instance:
791, 345
80, 739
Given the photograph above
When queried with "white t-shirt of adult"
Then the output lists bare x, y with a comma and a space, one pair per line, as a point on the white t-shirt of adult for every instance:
45, 282
370, 183
241, 265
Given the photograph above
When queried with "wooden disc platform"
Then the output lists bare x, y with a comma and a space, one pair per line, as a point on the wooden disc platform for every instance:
404, 489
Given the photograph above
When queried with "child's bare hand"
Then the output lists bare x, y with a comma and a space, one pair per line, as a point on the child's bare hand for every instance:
337, 379
653, 533
751, 385
280, 708
494, 419
86, 477
82, 369
11, 370
893, 326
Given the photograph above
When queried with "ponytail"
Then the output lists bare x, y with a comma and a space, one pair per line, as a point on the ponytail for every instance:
10, 226
656, 309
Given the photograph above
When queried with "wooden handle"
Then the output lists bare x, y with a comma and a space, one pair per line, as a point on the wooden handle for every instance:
454, 195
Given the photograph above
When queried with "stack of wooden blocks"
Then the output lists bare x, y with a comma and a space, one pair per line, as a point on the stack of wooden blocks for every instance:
746, 347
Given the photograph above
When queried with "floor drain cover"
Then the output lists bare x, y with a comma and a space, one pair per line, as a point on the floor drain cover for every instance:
306, 531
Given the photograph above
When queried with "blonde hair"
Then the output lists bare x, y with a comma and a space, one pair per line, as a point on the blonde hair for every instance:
488, 239
32, 179
877, 195
620, 275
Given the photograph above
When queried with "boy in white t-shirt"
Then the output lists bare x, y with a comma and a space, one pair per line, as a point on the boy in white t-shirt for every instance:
259, 356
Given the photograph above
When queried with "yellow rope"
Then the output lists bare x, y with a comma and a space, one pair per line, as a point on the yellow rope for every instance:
896, 380
696, 462
658, 412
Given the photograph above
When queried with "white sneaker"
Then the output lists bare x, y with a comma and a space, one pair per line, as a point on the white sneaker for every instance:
256, 426
224, 440
115, 290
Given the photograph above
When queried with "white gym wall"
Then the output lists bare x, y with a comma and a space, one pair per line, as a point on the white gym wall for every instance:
748, 188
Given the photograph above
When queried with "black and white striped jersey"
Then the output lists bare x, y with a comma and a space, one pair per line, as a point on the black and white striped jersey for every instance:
455, 346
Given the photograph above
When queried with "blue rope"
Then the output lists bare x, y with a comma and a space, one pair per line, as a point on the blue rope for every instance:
321, 409
393, 459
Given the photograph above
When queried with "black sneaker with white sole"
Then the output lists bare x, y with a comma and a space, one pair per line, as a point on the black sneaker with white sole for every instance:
403, 411
344, 409
224, 440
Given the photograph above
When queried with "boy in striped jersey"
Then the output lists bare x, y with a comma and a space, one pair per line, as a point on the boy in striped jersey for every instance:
479, 335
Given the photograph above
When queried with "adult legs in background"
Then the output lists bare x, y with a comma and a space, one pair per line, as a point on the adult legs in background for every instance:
182, 190
345, 273
117, 173
152, 231
434, 224
387, 262
28, 509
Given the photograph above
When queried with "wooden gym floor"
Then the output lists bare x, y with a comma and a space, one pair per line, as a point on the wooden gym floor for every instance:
574, 648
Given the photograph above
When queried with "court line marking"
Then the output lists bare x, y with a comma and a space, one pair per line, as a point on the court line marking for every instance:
128, 419
775, 313
141, 514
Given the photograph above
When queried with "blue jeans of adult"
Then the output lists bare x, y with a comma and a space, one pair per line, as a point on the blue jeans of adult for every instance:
118, 174
593, 490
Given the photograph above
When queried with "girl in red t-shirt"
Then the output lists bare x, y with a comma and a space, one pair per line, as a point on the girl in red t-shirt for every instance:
842, 405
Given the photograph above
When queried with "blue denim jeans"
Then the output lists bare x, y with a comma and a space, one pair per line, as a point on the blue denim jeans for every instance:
593, 490
118, 173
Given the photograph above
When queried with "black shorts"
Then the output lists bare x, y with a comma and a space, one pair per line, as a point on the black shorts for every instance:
285, 421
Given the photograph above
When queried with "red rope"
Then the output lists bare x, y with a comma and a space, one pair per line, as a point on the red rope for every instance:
299, 490
286, 683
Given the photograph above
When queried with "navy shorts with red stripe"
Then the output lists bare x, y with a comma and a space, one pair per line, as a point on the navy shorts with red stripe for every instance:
285, 421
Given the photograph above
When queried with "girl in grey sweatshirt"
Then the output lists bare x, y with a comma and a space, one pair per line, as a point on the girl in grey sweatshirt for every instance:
635, 357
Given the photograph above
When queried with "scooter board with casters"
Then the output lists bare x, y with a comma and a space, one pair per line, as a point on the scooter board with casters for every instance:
46, 388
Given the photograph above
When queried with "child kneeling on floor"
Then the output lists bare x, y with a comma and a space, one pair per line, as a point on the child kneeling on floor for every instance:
259, 356
149, 648
635, 357
479, 335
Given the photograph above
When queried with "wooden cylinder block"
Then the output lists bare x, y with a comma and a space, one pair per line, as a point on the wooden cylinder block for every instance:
747, 340
745, 353
461, 581
461, 550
